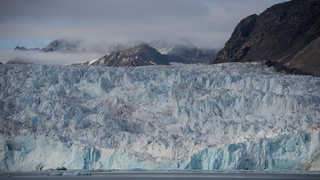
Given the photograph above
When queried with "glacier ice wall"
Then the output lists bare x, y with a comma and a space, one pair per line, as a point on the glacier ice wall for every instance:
223, 117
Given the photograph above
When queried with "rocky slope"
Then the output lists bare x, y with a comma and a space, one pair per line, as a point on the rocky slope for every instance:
223, 117
278, 35
308, 59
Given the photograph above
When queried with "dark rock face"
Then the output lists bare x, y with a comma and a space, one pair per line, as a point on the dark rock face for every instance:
239, 44
276, 35
141, 55
191, 55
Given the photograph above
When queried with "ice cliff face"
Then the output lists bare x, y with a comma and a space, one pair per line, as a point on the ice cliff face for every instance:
224, 117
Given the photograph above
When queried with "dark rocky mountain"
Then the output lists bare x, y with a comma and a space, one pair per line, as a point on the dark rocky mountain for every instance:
62, 45
141, 55
20, 48
144, 54
191, 55
283, 36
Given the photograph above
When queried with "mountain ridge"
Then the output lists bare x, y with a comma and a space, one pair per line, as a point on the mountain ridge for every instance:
145, 54
141, 55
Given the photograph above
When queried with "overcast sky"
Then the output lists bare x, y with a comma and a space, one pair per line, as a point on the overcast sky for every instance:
206, 23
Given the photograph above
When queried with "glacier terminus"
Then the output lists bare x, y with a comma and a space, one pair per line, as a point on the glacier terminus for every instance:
231, 116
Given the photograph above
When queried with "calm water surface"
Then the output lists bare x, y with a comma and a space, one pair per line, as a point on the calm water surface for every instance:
160, 176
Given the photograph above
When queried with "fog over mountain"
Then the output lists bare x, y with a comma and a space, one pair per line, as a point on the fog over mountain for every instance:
100, 25
206, 23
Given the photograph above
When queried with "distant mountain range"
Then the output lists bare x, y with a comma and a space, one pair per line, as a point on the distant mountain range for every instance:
22, 48
285, 36
144, 54
141, 55
154, 53
60, 45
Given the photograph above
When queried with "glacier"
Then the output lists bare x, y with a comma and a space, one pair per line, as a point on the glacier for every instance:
232, 116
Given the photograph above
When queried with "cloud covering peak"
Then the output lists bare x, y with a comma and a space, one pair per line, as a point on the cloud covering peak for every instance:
206, 23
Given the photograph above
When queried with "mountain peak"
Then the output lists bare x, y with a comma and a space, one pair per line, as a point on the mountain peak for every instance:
62, 45
140, 55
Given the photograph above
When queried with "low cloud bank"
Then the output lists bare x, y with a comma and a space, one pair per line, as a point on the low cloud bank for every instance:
38, 57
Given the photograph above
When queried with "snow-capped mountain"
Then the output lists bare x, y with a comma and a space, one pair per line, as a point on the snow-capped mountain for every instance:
162, 47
